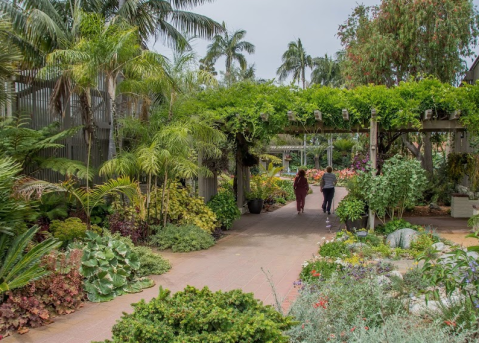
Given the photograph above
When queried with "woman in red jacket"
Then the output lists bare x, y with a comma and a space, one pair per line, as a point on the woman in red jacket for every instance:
301, 188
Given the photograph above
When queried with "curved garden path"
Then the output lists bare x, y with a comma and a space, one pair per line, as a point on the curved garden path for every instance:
277, 242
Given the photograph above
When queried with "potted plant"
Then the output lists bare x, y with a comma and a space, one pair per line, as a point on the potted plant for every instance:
256, 196
351, 211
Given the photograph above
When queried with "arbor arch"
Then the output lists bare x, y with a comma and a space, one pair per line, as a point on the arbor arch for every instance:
247, 112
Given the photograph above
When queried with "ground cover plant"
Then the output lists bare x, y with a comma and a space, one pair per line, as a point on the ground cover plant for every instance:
195, 315
183, 238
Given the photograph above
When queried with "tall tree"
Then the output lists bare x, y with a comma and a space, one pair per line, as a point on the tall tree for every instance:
295, 61
327, 71
396, 40
230, 45
111, 50
9, 55
168, 19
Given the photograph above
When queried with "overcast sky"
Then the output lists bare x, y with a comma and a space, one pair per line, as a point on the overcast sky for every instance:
272, 24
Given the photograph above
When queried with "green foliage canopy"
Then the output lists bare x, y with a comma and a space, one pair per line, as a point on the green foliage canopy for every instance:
237, 109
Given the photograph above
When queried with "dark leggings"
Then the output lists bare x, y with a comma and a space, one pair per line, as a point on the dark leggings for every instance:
328, 194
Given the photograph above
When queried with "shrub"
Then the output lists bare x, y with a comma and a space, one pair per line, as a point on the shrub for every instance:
70, 229
350, 209
110, 268
60, 292
400, 185
318, 270
197, 316
186, 209
135, 229
286, 191
334, 249
395, 225
150, 263
331, 309
422, 242
183, 238
225, 208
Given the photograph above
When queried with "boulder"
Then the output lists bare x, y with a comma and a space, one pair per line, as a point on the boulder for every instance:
401, 238
396, 273
439, 246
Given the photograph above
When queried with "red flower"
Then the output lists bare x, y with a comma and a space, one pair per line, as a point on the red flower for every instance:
449, 323
352, 329
366, 328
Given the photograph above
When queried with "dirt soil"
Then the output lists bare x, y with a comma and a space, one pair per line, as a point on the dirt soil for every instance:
425, 211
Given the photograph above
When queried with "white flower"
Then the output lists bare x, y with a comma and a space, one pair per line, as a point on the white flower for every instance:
323, 238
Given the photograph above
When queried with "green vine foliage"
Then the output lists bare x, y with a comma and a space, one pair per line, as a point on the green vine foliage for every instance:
237, 109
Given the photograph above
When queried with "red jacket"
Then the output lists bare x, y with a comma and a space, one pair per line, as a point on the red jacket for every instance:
301, 183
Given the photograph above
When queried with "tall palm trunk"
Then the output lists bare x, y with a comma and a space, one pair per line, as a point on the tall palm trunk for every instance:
87, 116
111, 90
172, 101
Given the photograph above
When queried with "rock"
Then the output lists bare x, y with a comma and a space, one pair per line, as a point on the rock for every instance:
439, 246
395, 273
401, 238
433, 206
356, 246
383, 280
473, 254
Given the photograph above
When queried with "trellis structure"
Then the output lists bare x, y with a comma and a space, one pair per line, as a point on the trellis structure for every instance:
248, 112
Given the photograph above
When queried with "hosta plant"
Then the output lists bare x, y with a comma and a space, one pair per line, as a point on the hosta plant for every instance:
110, 268
196, 316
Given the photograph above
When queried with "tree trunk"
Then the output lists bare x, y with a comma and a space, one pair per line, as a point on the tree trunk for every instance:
145, 109
427, 161
316, 161
170, 110
111, 90
87, 116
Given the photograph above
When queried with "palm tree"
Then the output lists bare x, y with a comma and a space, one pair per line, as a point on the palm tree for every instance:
111, 50
85, 198
327, 71
230, 46
9, 54
295, 61
163, 18
316, 152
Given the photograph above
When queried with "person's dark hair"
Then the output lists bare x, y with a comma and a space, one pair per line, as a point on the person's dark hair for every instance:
329, 169
301, 173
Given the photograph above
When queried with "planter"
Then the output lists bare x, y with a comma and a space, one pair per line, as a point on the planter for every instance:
255, 206
357, 224
462, 206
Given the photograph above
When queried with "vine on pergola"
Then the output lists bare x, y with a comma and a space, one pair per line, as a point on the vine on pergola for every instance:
238, 109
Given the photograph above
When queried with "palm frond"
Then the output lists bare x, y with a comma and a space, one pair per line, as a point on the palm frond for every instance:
67, 167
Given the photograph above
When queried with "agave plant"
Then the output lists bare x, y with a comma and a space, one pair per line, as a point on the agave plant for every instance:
86, 198
18, 266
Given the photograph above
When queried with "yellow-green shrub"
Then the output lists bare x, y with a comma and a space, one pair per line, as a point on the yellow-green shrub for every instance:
186, 209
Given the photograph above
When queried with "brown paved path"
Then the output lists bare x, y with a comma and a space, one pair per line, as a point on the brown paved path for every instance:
278, 242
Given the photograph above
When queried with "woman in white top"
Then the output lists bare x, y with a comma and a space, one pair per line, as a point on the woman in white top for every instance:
327, 187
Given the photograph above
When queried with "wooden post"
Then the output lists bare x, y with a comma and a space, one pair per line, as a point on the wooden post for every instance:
330, 150
373, 142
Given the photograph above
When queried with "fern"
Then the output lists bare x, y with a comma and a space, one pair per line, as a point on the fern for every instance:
67, 167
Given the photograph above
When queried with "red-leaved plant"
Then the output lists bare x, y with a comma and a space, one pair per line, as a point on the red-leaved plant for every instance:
60, 292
